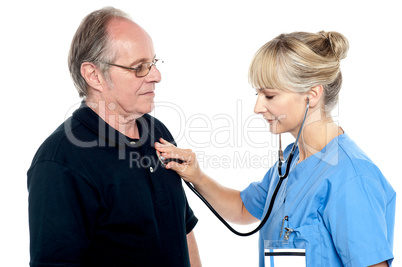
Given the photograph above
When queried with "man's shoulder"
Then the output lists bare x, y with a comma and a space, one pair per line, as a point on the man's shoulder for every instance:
61, 139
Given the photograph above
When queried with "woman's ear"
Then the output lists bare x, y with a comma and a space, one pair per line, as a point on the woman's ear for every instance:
92, 76
315, 95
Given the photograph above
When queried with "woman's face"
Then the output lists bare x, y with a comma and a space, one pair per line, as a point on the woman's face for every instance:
283, 110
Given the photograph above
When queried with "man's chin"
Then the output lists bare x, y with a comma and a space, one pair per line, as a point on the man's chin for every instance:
145, 110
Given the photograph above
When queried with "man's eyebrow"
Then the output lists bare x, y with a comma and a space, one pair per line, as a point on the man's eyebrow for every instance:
142, 60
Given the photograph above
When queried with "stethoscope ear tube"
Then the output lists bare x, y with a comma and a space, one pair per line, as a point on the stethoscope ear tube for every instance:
278, 185
291, 154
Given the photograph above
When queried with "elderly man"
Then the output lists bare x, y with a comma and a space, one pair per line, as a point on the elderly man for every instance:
98, 195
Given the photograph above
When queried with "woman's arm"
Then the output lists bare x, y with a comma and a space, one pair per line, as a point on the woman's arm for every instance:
227, 202
382, 264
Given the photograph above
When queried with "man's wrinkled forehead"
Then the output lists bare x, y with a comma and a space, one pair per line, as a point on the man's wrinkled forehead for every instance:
127, 35
119, 26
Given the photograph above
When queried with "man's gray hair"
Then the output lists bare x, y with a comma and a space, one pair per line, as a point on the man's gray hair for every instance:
91, 44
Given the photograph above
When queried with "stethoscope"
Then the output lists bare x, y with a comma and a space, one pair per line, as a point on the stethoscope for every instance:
282, 177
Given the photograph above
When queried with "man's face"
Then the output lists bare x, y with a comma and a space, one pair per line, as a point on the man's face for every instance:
126, 94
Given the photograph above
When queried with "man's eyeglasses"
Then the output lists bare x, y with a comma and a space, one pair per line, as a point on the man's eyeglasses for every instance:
140, 71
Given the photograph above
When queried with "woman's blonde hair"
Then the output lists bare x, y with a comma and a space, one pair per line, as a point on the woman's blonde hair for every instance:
299, 61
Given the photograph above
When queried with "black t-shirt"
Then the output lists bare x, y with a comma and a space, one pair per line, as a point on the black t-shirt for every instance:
98, 198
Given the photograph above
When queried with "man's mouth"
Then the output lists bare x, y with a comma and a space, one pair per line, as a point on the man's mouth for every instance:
150, 93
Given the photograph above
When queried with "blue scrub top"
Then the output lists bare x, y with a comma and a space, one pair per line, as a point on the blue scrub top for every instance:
340, 206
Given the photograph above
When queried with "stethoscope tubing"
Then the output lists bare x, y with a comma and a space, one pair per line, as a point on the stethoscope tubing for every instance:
277, 187
262, 223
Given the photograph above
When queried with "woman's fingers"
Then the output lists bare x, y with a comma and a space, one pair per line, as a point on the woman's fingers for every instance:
177, 167
164, 146
172, 152
178, 153
182, 161
163, 141
168, 150
161, 148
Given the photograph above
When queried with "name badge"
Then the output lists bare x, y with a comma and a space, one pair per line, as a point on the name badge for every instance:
281, 253
285, 257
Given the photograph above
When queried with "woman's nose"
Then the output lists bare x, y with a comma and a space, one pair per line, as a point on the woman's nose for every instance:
259, 106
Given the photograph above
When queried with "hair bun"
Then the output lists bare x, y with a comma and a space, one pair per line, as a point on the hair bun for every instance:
338, 42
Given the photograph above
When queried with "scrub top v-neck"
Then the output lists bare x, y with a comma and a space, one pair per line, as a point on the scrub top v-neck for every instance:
337, 204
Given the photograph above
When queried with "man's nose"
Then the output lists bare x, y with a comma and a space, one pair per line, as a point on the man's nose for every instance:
154, 75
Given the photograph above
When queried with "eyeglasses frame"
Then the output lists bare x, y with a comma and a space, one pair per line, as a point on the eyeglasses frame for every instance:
153, 63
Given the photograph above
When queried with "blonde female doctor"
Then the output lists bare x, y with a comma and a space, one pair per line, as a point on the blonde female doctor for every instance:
335, 208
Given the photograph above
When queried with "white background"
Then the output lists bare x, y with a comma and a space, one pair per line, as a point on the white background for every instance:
207, 47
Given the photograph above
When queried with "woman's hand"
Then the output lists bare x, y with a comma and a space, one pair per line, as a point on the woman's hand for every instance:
187, 168
227, 202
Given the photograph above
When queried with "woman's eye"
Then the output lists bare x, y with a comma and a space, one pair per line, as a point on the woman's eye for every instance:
267, 96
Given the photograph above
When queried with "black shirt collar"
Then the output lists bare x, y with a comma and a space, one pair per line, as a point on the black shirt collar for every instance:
97, 125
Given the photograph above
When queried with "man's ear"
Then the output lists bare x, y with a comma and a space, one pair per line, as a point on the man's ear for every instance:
315, 94
92, 76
